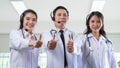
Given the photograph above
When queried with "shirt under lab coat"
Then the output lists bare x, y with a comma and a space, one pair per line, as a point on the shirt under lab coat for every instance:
55, 58
22, 55
98, 54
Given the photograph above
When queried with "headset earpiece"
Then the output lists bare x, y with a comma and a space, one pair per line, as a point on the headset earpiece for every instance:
21, 18
52, 16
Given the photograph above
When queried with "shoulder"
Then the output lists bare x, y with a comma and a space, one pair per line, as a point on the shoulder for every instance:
108, 41
71, 32
14, 31
83, 37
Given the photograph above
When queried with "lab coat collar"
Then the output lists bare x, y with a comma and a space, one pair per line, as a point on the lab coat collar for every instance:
101, 36
90, 35
54, 28
26, 33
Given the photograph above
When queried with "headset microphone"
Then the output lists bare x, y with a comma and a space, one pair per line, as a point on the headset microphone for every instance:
59, 22
26, 29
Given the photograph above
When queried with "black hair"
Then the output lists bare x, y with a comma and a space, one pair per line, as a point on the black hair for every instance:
23, 15
54, 11
99, 15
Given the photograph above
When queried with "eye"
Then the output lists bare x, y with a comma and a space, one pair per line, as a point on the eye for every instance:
59, 14
92, 21
27, 18
34, 19
65, 15
99, 21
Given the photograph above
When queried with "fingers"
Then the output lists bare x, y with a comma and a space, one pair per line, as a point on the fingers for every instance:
70, 49
38, 42
52, 43
70, 41
40, 36
70, 44
70, 37
54, 37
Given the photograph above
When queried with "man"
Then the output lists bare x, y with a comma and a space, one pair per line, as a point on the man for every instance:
60, 43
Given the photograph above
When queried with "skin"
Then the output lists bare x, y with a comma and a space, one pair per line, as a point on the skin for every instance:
62, 16
29, 22
95, 25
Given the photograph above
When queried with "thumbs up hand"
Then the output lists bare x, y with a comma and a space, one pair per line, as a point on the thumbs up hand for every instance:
70, 47
52, 43
38, 42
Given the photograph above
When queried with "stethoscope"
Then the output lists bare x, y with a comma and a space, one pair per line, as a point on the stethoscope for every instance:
106, 41
91, 48
24, 35
53, 32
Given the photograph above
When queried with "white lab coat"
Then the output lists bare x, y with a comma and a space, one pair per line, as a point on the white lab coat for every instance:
55, 58
22, 55
98, 54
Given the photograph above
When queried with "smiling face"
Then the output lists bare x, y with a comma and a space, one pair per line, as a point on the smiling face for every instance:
95, 24
62, 16
29, 21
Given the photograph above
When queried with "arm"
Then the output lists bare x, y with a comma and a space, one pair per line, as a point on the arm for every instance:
18, 42
46, 41
77, 50
112, 61
77, 45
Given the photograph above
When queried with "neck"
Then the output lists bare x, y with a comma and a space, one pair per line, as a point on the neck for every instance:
29, 31
59, 28
96, 34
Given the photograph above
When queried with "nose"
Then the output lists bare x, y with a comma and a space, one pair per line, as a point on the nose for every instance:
63, 15
95, 23
30, 21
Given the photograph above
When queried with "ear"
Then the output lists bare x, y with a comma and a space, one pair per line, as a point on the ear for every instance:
67, 18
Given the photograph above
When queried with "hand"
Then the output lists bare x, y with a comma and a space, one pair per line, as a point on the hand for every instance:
70, 47
52, 43
38, 42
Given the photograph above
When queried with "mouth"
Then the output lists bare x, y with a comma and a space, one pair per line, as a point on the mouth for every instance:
30, 26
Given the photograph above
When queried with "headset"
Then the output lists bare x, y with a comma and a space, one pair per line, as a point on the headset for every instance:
52, 16
23, 14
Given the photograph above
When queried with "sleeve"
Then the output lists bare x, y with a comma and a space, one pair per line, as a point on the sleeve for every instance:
17, 42
85, 51
111, 57
77, 45
77, 49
